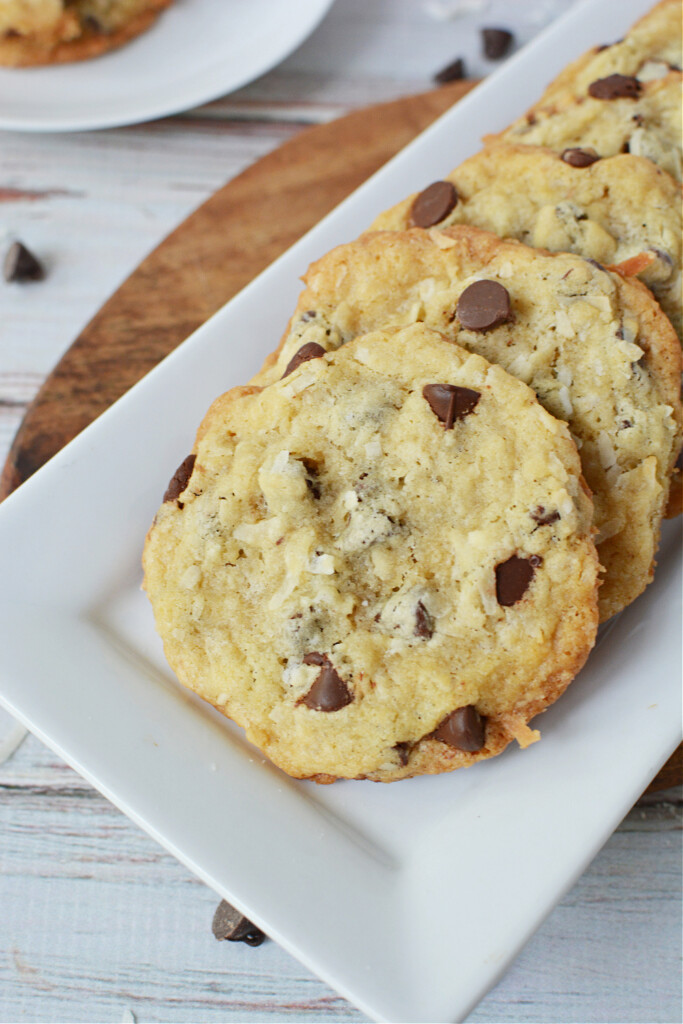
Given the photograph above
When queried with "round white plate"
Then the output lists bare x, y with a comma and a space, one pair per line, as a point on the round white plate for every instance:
196, 51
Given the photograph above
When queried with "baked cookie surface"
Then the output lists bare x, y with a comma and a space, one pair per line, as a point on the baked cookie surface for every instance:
34, 32
381, 565
649, 50
596, 349
622, 210
643, 119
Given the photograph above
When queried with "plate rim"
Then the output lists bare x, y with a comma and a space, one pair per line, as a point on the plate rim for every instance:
89, 438
317, 10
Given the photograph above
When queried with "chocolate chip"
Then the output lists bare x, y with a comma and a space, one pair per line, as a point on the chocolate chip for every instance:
433, 204
21, 265
678, 464
229, 924
329, 692
483, 305
543, 517
424, 623
453, 72
513, 578
615, 87
449, 402
576, 157
92, 23
311, 350
180, 479
497, 42
403, 751
312, 472
464, 728
310, 314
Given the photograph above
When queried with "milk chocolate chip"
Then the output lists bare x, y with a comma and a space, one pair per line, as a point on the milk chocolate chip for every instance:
483, 305
577, 157
464, 728
180, 479
403, 751
21, 265
453, 72
329, 692
432, 205
311, 350
513, 578
229, 924
615, 87
449, 402
497, 42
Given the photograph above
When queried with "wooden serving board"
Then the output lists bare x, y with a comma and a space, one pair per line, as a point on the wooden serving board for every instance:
212, 255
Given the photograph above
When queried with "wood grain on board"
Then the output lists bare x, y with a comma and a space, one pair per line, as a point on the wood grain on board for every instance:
209, 258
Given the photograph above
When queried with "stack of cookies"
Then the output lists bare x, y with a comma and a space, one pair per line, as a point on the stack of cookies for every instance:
392, 548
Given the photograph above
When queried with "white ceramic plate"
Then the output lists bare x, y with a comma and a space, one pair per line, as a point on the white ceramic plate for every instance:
196, 51
409, 899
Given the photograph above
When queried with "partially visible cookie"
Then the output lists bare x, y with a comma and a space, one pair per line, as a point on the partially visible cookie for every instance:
621, 211
642, 118
34, 32
649, 50
380, 566
596, 349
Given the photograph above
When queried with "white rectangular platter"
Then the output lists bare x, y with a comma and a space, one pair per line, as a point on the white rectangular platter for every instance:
409, 899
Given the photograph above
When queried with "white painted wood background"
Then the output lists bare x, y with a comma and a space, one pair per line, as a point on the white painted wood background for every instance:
96, 921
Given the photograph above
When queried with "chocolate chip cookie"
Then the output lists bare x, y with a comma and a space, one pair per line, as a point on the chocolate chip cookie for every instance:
618, 114
595, 348
57, 31
650, 50
622, 211
381, 565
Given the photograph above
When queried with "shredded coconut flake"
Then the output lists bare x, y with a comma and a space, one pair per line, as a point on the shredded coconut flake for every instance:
191, 577
321, 565
564, 324
608, 456
258, 534
565, 401
652, 69
440, 240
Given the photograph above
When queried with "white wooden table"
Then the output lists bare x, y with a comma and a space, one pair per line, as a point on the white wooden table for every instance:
97, 923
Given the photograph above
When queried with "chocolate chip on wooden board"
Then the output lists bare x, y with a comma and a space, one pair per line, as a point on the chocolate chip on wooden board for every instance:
464, 729
449, 402
615, 87
229, 924
496, 42
180, 479
433, 204
20, 265
484, 305
453, 72
311, 350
